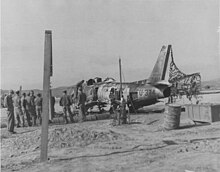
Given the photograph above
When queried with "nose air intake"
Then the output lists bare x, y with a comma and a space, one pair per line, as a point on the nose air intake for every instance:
166, 92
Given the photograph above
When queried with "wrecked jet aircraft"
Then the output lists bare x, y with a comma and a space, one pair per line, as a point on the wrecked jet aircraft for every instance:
138, 94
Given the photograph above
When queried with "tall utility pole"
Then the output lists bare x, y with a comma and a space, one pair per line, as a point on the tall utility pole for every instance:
50, 114
120, 77
46, 94
119, 118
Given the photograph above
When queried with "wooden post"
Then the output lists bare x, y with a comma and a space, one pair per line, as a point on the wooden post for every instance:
120, 78
120, 114
46, 93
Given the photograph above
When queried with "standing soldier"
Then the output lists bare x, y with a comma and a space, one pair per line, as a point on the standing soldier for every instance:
38, 103
2, 100
78, 85
24, 107
123, 110
52, 103
33, 110
30, 110
114, 105
18, 111
8, 103
81, 104
65, 102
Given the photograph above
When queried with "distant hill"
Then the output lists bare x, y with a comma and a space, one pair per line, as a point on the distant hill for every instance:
57, 92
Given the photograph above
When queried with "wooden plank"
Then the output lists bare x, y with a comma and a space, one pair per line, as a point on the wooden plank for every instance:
46, 93
203, 112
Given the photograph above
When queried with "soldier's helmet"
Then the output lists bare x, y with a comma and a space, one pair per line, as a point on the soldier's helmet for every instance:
11, 91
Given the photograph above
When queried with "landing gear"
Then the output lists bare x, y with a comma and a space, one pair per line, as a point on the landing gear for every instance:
100, 107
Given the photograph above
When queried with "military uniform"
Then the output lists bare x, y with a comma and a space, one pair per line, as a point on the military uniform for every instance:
52, 103
31, 109
114, 105
123, 111
81, 104
25, 111
65, 102
18, 111
8, 103
78, 86
38, 107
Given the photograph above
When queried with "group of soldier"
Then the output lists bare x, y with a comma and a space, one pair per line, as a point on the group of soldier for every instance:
66, 101
23, 108
118, 109
29, 108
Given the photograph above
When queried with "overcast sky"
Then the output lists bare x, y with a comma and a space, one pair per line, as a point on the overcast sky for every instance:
90, 35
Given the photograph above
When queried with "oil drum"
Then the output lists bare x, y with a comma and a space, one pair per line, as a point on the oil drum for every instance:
172, 117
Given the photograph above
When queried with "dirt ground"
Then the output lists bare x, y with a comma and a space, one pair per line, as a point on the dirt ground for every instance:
142, 145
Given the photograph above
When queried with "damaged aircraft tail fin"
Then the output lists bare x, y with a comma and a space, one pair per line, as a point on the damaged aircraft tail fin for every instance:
159, 70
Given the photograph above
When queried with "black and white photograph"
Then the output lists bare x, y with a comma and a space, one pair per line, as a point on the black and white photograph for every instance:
110, 86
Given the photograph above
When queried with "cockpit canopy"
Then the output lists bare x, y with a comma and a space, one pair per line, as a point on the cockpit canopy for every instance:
99, 80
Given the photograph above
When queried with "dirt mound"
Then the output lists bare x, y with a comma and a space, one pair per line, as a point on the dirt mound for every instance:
61, 137
68, 137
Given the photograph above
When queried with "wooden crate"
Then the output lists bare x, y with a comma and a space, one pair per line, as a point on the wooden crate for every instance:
203, 112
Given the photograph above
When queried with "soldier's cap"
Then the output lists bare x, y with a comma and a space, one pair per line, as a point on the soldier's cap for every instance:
11, 91
32, 91
17, 92
64, 91
39, 94
23, 94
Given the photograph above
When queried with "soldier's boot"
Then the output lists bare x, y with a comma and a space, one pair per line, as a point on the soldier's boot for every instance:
113, 122
29, 120
18, 121
23, 121
29, 124
71, 118
35, 120
34, 123
66, 120
40, 120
